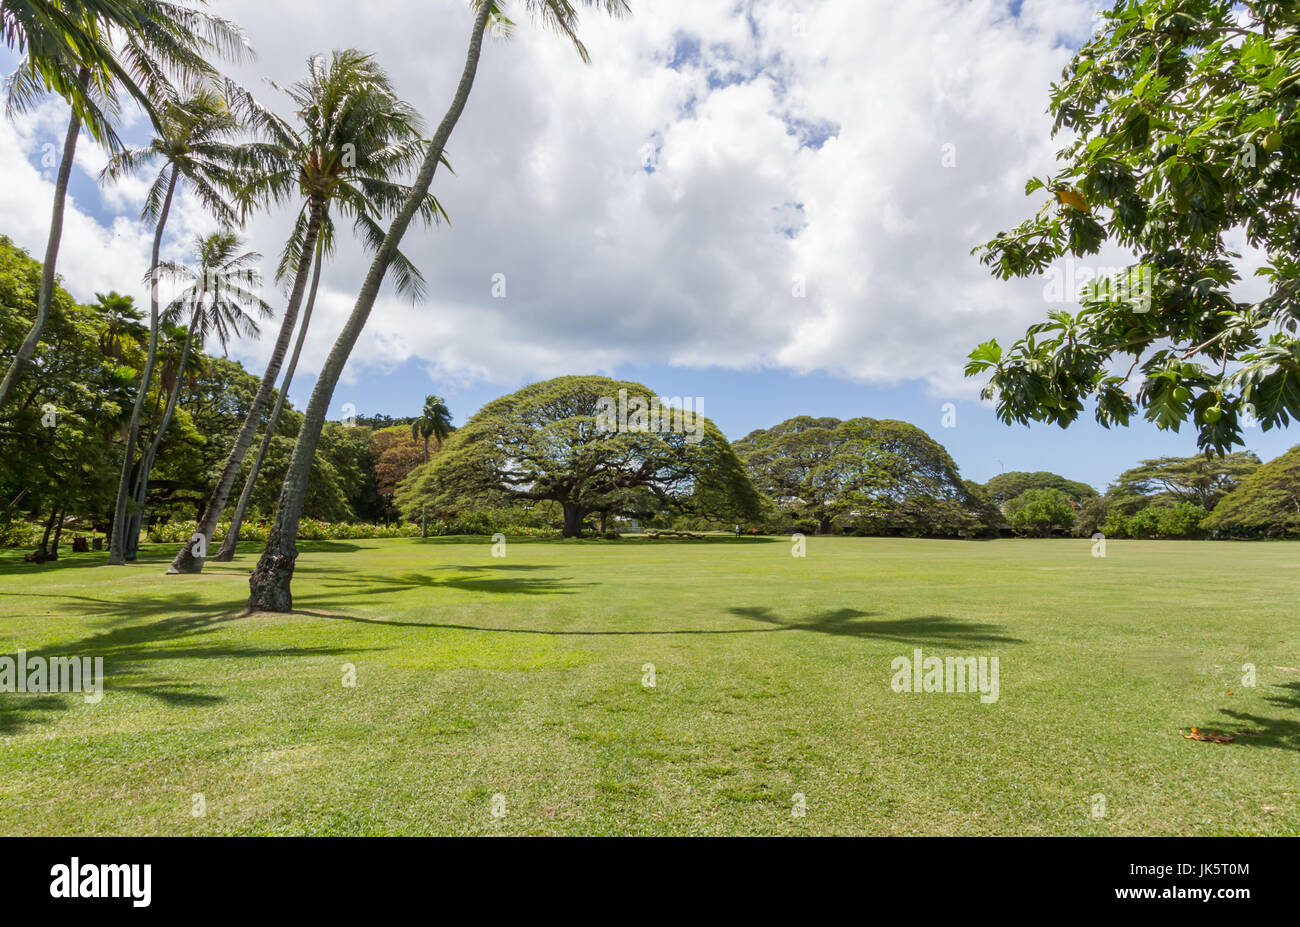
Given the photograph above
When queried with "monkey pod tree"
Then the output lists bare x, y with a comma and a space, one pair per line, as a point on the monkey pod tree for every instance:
787, 461
1184, 140
554, 440
875, 475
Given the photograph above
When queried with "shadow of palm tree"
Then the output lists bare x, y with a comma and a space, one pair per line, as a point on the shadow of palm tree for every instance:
850, 622
132, 653
142, 605
363, 587
11, 561
928, 629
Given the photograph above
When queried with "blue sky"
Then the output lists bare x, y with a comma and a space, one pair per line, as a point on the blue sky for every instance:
650, 213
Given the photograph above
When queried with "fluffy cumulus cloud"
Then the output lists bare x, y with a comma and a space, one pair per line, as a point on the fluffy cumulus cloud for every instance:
766, 183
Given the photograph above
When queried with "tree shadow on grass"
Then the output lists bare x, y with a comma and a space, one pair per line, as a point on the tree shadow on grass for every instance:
142, 605
12, 562
840, 622
354, 587
1282, 733
851, 622
132, 654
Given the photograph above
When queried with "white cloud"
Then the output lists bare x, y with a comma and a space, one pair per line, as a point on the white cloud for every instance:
789, 139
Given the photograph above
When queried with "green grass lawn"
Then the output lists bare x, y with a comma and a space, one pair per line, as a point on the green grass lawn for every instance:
523, 677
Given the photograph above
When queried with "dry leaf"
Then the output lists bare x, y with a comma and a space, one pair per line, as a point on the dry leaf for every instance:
1217, 737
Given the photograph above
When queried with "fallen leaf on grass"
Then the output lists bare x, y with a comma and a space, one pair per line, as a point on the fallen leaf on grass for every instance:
1217, 737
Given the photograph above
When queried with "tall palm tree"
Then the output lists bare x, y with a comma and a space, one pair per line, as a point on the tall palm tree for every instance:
231, 540
434, 422
194, 150
84, 51
355, 137
269, 584
219, 298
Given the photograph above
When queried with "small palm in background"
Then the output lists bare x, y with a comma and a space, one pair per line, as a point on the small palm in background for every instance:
434, 422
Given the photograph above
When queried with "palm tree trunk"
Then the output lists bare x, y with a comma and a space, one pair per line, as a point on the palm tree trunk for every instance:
136, 518
116, 554
269, 584
43, 302
187, 560
227, 552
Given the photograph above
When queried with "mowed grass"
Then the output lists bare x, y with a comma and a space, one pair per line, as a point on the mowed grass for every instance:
522, 677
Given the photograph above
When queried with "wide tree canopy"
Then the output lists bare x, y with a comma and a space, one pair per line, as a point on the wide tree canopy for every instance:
1183, 143
868, 475
1006, 486
557, 440
1198, 480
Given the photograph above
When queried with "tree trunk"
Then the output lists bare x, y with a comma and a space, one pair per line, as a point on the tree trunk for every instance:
269, 585
187, 560
116, 554
604, 516
58, 533
43, 552
136, 517
824, 525
573, 516
46, 297
227, 551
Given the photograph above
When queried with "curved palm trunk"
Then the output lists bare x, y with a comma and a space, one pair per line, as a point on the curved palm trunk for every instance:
116, 551
227, 551
191, 556
136, 519
269, 584
43, 302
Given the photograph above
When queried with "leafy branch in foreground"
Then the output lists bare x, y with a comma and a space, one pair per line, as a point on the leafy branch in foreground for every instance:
1185, 137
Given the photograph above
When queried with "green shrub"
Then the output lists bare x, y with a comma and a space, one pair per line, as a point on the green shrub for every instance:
20, 534
309, 529
1040, 511
1181, 520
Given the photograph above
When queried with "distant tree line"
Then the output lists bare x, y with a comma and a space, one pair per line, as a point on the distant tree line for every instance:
539, 460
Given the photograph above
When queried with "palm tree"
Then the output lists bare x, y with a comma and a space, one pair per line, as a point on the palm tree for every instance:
434, 422
219, 298
356, 136
193, 148
269, 585
84, 50
121, 323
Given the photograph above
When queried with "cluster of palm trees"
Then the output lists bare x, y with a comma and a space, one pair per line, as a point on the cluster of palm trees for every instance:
345, 152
